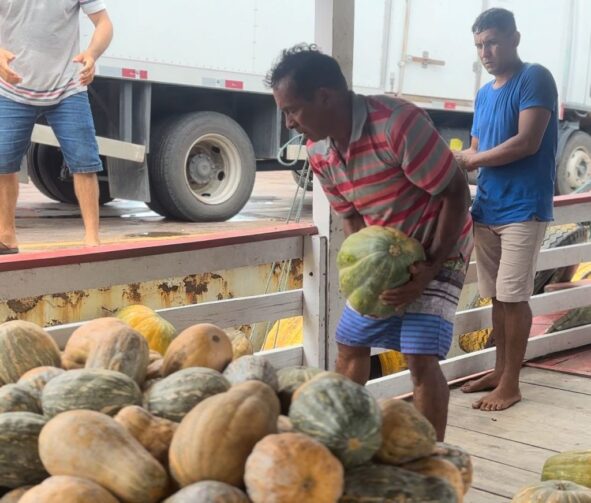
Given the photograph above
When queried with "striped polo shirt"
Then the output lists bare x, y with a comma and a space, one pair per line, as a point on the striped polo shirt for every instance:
44, 35
395, 167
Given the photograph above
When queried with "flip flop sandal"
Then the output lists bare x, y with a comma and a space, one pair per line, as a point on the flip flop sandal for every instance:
5, 250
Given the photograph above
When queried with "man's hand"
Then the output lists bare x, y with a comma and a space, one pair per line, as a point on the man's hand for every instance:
6, 73
421, 274
87, 72
465, 160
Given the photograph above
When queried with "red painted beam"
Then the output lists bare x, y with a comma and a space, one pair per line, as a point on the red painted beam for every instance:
67, 256
571, 199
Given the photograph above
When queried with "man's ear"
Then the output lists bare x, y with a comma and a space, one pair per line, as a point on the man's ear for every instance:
516, 39
324, 96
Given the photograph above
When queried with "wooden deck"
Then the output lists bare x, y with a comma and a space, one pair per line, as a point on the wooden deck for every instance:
509, 448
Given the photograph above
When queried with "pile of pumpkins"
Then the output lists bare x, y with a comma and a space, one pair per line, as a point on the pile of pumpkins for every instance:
566, 477
112, 419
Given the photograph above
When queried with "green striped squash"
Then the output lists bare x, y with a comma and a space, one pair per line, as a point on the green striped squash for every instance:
340, 414
373, 260
251, 368
17, 397
24, 346
19, 449
106, 391
208, 490
571, 465
290, 379
174, 396
38, 377
386, 483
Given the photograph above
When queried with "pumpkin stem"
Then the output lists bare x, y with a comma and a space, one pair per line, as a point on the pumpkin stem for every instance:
395, 250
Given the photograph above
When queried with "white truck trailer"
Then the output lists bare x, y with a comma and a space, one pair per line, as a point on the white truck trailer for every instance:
184, 119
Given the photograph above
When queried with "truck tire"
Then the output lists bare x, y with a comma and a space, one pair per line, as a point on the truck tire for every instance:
574, 166
45, 165
202, 167
556, 236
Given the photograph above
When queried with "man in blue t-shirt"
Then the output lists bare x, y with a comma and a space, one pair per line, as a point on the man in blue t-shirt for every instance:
514, 136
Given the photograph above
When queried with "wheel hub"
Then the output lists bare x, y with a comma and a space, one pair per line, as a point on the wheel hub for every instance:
201, 169
578, 168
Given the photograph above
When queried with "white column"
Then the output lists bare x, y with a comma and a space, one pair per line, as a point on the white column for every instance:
334, 24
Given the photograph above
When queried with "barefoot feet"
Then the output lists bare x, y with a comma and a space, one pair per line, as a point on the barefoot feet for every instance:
499, 399
485, 383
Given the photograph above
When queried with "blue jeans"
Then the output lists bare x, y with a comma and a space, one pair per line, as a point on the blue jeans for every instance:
71, 121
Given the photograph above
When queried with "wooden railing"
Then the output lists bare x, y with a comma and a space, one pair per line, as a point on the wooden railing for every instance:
31, 275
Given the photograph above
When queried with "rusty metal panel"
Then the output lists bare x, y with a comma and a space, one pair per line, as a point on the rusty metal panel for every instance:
81, 305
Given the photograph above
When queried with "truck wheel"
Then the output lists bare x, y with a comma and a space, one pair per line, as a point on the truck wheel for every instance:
556, 236
48, 173
202, 167
574, 167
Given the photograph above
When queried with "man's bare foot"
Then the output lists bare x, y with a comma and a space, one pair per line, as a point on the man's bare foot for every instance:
498, 399
484, 383
92, 242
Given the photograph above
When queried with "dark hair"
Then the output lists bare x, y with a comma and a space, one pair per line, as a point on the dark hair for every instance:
309, 70
501, 19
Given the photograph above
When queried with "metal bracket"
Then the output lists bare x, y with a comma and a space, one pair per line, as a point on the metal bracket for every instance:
425, 60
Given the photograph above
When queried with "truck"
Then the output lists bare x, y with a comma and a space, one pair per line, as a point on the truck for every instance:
184, 119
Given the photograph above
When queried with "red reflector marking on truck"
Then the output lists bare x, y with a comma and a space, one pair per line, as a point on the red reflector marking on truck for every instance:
131, 73
234, 84
449, 105
128, 73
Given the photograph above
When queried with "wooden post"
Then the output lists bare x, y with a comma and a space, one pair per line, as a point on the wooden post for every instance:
334, 24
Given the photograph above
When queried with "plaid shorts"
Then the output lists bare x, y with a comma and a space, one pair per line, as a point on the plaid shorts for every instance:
425, 328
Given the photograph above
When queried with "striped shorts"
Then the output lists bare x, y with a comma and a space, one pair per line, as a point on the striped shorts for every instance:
425, 328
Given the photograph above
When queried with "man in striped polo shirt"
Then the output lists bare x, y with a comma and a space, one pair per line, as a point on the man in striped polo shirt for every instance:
43, 73
381, 162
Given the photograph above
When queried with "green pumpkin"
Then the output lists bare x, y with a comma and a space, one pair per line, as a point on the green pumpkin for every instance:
373, 260
571, 465
174, 396
553, 491
18, 397
290, 379
24, 346
102, 390
20, 463
251, 368
340, 414
208, 491
390, 484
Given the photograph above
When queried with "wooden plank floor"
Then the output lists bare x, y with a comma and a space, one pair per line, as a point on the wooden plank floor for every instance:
509, 448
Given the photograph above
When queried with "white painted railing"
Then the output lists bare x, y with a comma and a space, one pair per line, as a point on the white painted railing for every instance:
31, 275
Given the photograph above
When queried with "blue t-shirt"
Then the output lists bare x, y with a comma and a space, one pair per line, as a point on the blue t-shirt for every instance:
521, 190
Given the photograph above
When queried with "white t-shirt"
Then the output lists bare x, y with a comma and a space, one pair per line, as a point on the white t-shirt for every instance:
44, 35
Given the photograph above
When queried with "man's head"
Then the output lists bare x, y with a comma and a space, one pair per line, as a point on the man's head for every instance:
308, 87
496, 39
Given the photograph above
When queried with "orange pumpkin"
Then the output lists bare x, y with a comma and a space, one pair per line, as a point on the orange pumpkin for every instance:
293, 468
83, 340
155, 329
202, 345
217, 435
406, 434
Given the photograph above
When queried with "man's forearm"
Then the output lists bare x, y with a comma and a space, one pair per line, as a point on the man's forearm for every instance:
513, 149
101, 38
450, 223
